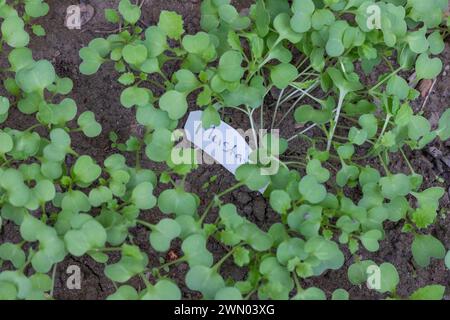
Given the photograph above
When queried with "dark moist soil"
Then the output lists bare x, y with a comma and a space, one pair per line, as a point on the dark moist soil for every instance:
100, 94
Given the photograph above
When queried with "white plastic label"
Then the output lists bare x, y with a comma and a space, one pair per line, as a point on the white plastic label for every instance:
223, 143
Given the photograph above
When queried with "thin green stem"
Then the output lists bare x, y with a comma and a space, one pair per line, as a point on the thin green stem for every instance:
385, 79
224, 258
297, 283
205, 213
302, 132
159, 85
319, 101
170, 263
312, 87
383, 130
236, 186
407, 161
145, 224
386, 169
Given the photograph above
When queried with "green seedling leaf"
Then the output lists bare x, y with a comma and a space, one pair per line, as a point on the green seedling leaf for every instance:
99, 196
196, 44
436, 42
38, 30
163, 233
130, 12
112, 15
206, 280
252, 176
358, 272
431, 292
395, 186
397, 86
124, 292
447, 260
194, 248
12, 252
159, 148
171, 24
36, 76
389, 278
6, 143
315, 169
177, 201
134, 96
36, 8
257, 239
210, 117
262, 18
241, 256
85, 171
230, 66
174, 103
429, 203
417, 41
20, 58
163, 290
75, 201
134, 54
307, 113
370, 240
312, 190
51, 247
444, 126
13, 32
303, 10
186, 81
155, 41
283, 74
425, 247
91, 61
142, 196
133, 262
418, 127
428, 68
340, 294
13, 285
428, 12
280, 201
327, 252
243, 95
91, 128
290, 249
86, 234
228, 293
13, 183
312, 293
282, 24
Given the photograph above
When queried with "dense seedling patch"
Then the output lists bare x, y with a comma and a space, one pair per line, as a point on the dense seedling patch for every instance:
315, 54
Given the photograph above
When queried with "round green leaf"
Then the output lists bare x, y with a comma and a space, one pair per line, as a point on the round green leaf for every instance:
174, 103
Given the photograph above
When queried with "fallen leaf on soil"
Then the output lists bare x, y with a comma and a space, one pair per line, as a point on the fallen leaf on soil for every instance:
425, 87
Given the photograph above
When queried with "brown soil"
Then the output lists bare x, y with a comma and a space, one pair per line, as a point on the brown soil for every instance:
100, 94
